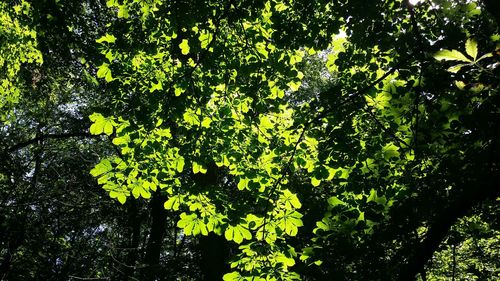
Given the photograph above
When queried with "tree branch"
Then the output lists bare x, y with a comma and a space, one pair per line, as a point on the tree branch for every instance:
474, 193
48, 136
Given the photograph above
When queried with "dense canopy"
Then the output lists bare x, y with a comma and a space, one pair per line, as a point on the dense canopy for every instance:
249, 140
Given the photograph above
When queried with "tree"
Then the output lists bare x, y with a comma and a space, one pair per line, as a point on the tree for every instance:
56, 222
322, 140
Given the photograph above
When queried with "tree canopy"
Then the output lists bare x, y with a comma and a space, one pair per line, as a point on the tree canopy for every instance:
249, 140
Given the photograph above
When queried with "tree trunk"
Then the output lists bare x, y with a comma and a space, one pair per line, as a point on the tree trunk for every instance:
214, 252
156, 235
134, 234
474, 193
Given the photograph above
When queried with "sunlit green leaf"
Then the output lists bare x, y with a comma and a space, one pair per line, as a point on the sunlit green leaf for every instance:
452, 55
471, 48
184, 46
109, 38
199, 168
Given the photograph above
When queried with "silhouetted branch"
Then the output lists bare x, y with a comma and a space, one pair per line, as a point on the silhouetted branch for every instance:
49, 136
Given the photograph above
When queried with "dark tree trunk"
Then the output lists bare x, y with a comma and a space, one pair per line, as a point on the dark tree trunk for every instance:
15, 240
134, 234
156, 235
214, 252
473, 194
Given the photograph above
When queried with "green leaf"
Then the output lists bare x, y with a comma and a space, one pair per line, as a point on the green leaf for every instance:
315, 182
199, 168
154, 87
243, 183
206, 122
233, 276
189, 223
285, 260
390, 150
184, 46
334, 201
375, 198
122, 198
267, 232
290, 222
101, 168
145, 193
471, 48
488, 55
179, 164
104, 72
110, 56
265, 123
173, 203
123, 11
456, 68
261, 49
136, 191
178, 90
460, 84
452, 55
121, 140
108, 128
361, 216
97, 128
106, 38
280, 6
205, 39
290, 200
191, 118
111, 3
294, 85
237, 233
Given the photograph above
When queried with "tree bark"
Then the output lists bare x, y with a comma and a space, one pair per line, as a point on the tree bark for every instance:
156, 235
473, 193
134, 234
214, 252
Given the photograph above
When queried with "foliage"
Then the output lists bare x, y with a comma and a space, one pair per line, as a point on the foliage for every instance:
309, 140
469, 253
19, 46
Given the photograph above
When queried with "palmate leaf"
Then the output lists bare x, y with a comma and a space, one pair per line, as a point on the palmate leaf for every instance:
286, 261
237, 233
290, 221
192, 225
100, 125
122, 197
103, 167
290, 200
141, 191
381, 100
179, 164
174, 202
